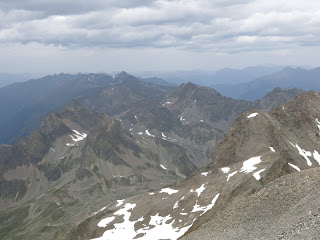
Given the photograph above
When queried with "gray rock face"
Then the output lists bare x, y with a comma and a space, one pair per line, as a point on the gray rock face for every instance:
262, 183
287, 208
74, 163
78, 162
195, 117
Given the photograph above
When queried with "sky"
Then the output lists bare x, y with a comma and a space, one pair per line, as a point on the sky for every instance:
163, 35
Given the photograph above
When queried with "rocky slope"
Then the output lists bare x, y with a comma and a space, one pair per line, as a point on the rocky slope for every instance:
75, 162
79, 161
24, 105
123, 93
263, 177
194, 117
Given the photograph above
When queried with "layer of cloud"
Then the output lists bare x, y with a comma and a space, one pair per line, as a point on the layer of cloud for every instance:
221, 26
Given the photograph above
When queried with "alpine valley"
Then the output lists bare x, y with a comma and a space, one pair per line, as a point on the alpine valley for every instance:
93, 156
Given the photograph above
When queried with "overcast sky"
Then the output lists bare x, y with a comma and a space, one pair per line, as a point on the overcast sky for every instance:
143, 35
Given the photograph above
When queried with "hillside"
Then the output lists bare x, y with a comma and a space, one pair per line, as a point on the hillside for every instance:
194, 117
79, 161
251, 167
75, 162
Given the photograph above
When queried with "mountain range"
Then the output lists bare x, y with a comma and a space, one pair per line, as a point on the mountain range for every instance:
262, 183
123, 136
25, 104
209, 78
75, 160
306, 79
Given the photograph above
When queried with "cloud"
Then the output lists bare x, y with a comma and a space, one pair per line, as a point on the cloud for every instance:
58, 7
198, 25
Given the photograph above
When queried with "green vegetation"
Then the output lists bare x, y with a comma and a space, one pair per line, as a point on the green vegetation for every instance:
12, 221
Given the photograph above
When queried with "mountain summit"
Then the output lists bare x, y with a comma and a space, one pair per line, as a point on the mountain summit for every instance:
265, 172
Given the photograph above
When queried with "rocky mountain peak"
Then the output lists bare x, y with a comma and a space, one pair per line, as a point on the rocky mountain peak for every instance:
277, 96
73, 106
123, 74
261, 153
189, 89
306, 103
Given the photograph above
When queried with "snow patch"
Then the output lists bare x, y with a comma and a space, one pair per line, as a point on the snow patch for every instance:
53, 149
176, 205
168, 191
152, 193
104, 222
76, 137
197, 207
167, 103
123, 230
204, 174
230, 175
99, 210
253, 115
163, 135
199, 190
304, 154
318, 123
316, 156
140, 133
257, 174
225, 169
163, 167
248, 165
272, 149
294, 166
162, 229
158, 228
120, 202
148, 133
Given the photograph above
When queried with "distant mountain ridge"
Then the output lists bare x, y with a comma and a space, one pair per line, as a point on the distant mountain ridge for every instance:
286, 78
123, 93
25, 104
208, 78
